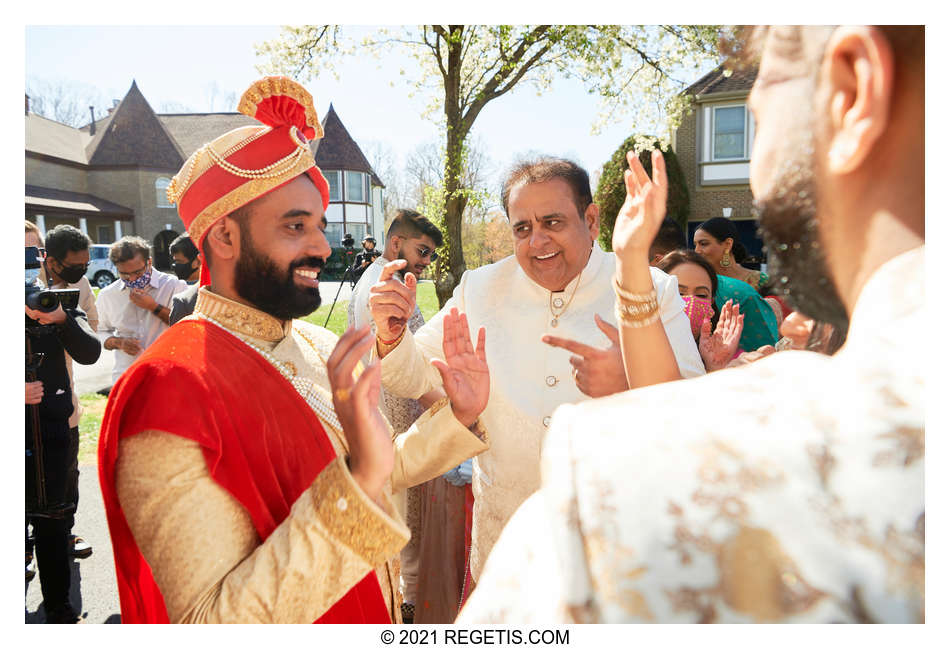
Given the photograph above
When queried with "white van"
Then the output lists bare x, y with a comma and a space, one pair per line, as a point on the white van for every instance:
101, 271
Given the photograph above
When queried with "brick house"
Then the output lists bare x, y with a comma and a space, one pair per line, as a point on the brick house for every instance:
713, 145
109, 178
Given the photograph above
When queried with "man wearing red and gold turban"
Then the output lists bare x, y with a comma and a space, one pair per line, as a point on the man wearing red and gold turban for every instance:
245, 466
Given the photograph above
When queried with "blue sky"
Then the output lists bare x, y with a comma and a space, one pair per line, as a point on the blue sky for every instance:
180, 63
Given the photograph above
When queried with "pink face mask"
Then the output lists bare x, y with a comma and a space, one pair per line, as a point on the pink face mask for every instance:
697, 309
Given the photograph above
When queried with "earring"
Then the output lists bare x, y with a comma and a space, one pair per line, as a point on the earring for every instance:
725, 262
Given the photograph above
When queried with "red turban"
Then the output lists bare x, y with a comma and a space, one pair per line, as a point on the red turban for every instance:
248, 162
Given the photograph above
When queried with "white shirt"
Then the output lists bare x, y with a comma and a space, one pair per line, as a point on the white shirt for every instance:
529, 379
789, 490
358, 313
119, 316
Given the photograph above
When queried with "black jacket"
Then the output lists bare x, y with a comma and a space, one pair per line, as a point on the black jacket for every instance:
73, 336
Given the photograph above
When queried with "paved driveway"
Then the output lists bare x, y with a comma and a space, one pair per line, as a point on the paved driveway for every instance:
93, 590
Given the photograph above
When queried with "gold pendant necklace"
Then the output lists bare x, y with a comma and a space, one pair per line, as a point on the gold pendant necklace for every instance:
558, 302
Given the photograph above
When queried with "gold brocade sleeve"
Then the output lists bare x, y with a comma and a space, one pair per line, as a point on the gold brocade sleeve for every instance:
204, 551
435, 443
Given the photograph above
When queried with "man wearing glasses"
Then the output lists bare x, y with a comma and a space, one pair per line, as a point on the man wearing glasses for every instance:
134, 310
414, 238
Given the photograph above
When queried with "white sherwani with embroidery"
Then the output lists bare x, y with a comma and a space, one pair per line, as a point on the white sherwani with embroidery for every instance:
529, 379
800, 500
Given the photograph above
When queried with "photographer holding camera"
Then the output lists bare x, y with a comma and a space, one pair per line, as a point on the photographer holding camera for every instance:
55, 327
67, 260
366, 257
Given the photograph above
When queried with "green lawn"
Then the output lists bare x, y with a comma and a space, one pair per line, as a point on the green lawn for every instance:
337, 322
93, 406
427, 299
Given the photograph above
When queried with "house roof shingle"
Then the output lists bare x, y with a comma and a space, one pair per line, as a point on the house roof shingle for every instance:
48, 137
716, 81
338, 150
193, 130
134, 135
45, 197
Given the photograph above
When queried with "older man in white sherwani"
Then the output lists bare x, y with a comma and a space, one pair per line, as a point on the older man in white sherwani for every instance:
556, 282
792, 489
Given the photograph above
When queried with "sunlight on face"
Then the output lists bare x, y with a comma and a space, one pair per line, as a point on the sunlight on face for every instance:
693, 280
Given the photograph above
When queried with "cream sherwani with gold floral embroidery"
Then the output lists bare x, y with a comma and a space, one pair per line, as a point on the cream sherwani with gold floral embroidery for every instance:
201, 544
529, 379
799, 497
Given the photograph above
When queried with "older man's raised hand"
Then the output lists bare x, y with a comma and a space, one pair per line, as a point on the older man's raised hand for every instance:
392, 301
464, 371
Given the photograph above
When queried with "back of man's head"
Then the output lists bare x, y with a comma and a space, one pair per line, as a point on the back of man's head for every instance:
545, 168
31, 228
64, 239
185, 246
412, 225
127, 248
837, 171
670, 237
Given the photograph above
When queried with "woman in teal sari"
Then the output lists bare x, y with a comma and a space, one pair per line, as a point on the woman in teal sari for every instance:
760, 327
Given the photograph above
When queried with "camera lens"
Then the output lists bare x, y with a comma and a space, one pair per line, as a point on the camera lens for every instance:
47, 301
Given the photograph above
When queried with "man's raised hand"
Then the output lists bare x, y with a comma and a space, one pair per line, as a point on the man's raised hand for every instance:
392, 301
464, 371
356, 403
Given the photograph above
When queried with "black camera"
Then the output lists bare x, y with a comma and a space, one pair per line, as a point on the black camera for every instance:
44, 299
347, 241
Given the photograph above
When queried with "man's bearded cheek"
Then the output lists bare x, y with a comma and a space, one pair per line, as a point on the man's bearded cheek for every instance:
797, 261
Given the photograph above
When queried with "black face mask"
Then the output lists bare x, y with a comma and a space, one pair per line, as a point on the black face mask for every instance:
183, 271
72, 274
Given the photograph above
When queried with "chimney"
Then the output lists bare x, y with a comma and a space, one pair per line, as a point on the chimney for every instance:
92, 124
27, 103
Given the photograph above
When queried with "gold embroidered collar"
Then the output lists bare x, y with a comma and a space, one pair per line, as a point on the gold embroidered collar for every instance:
241, 318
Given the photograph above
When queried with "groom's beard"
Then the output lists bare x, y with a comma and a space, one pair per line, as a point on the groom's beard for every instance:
788, 225
258, 280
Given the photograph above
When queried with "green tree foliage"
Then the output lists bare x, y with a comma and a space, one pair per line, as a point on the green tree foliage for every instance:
611, 191
637, 71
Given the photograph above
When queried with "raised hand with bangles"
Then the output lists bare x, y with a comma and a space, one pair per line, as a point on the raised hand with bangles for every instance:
647, 354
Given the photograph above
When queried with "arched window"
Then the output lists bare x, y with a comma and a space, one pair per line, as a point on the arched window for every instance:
161, 185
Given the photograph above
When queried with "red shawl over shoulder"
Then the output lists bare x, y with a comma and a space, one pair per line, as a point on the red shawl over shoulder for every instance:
261, 441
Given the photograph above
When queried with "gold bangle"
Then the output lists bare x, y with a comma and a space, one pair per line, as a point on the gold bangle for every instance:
637, 310
627, 296
636, 322
342, 394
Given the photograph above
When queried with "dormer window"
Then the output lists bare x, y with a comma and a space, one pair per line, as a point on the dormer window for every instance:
729, 140
727, 130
